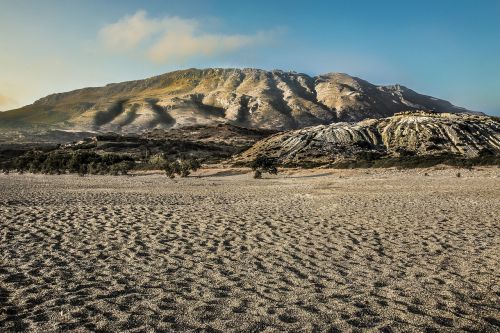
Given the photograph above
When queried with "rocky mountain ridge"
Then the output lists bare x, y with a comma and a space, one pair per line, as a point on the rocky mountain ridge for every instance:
250, 98
404, 134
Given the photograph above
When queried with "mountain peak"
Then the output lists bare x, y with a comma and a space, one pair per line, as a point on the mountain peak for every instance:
249, 97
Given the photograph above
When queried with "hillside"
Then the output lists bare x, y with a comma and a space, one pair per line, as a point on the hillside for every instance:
405, 134
211, 144
251, 98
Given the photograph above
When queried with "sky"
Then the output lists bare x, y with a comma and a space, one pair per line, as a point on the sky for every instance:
445, 48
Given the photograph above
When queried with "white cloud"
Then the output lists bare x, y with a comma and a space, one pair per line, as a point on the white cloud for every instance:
179, 45
175, 39
128, 32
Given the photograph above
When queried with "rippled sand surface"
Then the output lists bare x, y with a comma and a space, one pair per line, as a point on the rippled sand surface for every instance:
309, 251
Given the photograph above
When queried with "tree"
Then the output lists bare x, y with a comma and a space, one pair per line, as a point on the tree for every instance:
188, 165
184, 169
171, 168
55, 163
80, 159
181, 167
157, 160
194, 164
263, 164
31, 161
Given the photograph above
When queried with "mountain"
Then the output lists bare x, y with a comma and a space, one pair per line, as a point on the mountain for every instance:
404, 134
251, 98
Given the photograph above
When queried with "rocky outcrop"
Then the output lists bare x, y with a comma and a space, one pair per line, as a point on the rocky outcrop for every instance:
251, 98
415, 133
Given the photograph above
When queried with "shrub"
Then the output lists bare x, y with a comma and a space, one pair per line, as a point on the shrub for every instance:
82, 170
122, 167
184, 168
31, 161
405, 153
486, 152
55, 163
94, 168
188, 165
368, 155
157, 160
114, 170
181, 167
80, 162
264, 164
194, 164
171, 169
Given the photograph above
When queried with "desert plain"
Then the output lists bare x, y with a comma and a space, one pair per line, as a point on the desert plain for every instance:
375, 250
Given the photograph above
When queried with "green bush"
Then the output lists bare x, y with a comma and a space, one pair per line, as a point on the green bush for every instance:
122, 167
94, 168
80, 162
55, 163
186, 166
263, 164
171, 168
31, 161
181, 167
157, 160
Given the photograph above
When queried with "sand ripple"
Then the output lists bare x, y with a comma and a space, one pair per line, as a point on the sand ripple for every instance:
361, 252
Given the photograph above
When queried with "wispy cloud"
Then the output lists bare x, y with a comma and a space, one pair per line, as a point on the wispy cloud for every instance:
175, 39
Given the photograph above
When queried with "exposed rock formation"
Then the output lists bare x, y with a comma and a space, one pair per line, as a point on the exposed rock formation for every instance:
246, 97
418, 133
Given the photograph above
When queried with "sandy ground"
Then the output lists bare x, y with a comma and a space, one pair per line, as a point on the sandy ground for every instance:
309, 251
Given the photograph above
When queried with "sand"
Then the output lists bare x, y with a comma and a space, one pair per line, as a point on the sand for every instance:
306, 251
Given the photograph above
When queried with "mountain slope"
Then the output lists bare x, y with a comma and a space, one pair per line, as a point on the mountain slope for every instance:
407, 133
246, 97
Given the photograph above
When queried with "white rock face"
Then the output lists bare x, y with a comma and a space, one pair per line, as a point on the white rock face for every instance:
246, 97
419, 133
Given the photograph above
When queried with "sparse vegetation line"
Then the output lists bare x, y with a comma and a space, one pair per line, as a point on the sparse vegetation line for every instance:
60, 162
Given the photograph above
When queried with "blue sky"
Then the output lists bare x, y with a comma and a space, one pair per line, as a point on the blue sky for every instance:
448, 49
